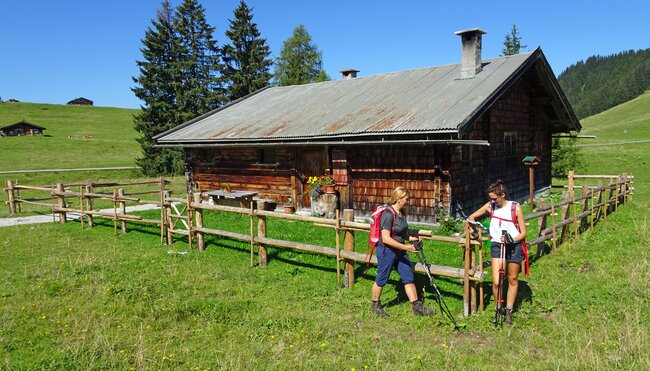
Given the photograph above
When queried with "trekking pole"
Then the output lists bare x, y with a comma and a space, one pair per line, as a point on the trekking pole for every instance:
419, 253
498, 315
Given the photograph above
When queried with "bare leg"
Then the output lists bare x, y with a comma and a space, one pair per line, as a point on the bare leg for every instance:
411, 292
376, 292
513, 283
496, 265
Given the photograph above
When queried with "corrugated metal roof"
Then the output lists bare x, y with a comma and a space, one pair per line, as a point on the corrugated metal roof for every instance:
422, 100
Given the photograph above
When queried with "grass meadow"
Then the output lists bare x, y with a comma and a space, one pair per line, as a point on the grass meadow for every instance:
75, 298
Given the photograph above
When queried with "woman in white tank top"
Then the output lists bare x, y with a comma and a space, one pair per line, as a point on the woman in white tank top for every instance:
501, 221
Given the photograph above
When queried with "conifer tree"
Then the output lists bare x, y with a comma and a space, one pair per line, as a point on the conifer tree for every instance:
300, 61
246, 63
155, 88
512, 43
198, 86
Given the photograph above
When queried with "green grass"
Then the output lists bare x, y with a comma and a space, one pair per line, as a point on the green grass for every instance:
86, 299
113, 141
627, 122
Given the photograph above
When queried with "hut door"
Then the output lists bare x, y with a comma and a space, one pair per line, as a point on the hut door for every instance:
313, 164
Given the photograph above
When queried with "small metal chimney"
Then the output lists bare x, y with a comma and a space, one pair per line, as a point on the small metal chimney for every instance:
470, 65
350, 73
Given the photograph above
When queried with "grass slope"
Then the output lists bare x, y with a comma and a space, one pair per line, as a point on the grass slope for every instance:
113, 141
627, 122
73, 299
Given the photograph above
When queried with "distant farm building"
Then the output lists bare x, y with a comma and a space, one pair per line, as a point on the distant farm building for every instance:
22, 128
444, 133
80, 102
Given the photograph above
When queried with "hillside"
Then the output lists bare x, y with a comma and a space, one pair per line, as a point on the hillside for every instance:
600, 83
110, 139
629, 121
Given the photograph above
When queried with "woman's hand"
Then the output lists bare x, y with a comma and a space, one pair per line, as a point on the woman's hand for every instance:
410, 248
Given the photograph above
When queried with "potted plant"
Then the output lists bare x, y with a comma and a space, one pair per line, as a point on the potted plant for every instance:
321, 184
226, 187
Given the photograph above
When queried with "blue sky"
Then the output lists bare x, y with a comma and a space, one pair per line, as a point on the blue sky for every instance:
55, 51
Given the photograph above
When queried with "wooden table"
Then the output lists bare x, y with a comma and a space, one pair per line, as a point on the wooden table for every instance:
221, 197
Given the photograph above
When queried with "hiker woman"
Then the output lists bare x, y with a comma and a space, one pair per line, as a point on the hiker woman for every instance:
391, 253
504, 216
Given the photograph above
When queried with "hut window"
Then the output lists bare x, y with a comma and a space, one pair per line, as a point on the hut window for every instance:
206, 156
510, 143
267, 156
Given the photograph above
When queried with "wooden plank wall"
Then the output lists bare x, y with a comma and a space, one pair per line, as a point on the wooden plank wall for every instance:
376, 171
239, 167
475, 169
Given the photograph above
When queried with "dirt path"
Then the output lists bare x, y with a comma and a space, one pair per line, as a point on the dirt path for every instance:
613, 143
36, 219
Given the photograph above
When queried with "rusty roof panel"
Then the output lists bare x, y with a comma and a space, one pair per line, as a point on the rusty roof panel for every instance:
422, 100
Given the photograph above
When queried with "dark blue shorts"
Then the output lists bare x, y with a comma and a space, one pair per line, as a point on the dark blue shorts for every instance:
514, 253
388, 258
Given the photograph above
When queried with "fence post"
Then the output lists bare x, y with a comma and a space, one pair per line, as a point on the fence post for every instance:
607, 198
162, 210
169, 222
198, 216
251, 221
348, 245
338, 248
600, 200
624, 188
565, 212
466, 265
81, 206
89, 203
575, 217
10, 197
586, 193
541, 225
120, 194
261, 232
553, 233
571, 182
61, 202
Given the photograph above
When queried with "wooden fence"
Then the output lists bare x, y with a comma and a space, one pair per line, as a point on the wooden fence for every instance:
595, 203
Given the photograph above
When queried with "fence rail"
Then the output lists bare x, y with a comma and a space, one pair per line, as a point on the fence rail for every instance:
594, 203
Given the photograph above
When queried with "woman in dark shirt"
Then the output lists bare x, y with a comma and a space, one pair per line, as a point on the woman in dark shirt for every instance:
391, 253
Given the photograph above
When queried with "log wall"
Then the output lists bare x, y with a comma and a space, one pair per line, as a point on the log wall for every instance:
212, 168
376, 171
474, 169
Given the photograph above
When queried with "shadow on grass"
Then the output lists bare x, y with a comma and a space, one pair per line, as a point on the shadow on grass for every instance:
524, 294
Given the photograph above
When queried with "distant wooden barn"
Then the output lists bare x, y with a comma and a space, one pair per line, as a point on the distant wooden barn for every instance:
444, 133
22, 128
80, 102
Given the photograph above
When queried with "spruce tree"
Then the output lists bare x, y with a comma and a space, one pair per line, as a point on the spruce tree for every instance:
198, 86
246, 63
300, 61
155, 88
512, 43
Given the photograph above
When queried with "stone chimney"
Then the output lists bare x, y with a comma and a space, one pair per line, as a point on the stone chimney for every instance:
470, 65
350, 73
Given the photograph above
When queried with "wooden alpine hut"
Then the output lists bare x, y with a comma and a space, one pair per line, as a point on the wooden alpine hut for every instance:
444, 133
21, 128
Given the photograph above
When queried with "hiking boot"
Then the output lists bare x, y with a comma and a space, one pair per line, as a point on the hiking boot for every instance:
508, 319
420, 310
377, 309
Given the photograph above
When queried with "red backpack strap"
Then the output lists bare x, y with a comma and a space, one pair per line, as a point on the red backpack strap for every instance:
524, 246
